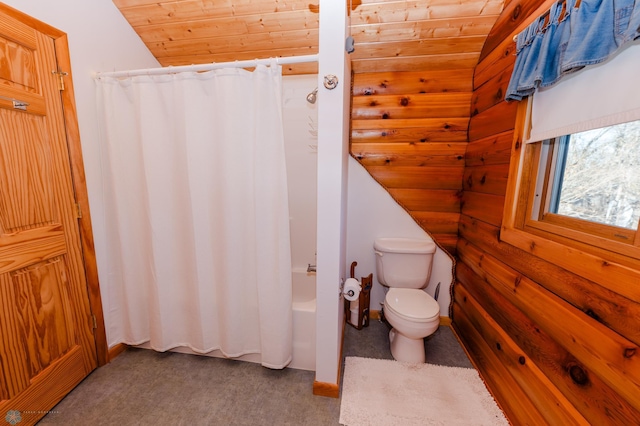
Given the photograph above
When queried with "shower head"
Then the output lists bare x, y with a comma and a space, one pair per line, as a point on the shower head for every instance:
311, 97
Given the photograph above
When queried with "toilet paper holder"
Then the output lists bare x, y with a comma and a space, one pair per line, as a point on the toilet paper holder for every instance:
359, 318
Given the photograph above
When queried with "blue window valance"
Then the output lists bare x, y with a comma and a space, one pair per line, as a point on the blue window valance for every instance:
572, 35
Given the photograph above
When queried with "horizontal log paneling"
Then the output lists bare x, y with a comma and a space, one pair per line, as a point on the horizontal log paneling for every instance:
582, 337
494, 149
549, 401
402, 159
416, 63
433, 200
439, 124
446, 241
606, 306
494, 62
485, 179
411, 106
410, 154
438, 223
513, 16
430, 46
409, 130
413, 82
497, 119
485, 207
512, 399
432, 130
418, 118
418, 177
491, 93
593, 398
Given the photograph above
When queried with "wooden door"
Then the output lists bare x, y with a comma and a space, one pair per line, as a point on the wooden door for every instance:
47, 343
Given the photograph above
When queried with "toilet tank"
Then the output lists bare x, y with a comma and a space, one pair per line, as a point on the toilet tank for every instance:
404, 262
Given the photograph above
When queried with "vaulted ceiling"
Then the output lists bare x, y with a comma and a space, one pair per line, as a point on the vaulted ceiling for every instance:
390, 35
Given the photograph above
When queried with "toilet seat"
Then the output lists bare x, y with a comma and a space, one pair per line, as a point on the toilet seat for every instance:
414, 305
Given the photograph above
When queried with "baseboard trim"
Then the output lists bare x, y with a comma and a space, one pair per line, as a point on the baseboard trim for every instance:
331, 390
117, 350
446, 321
375, 315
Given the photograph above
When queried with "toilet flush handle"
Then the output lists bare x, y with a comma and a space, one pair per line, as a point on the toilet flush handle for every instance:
378, 253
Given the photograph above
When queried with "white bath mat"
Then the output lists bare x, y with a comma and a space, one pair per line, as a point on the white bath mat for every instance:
383, 392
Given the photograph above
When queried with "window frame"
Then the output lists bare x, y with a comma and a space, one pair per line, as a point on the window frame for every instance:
585, 248
541, 193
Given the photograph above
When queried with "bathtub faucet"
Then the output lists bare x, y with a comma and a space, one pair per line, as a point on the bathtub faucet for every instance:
311, 268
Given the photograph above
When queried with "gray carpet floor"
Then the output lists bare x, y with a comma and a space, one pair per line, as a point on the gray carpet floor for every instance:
143, 387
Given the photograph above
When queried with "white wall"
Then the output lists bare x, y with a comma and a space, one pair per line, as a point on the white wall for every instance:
333, 145
301, 150
372, 214
100, 39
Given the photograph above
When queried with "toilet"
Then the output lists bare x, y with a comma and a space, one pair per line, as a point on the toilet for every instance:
404, 265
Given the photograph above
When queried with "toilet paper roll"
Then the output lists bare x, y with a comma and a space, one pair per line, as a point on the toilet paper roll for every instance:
354, 314
351, 289
354, 304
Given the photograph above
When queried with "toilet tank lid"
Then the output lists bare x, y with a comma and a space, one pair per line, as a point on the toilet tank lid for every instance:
404, 245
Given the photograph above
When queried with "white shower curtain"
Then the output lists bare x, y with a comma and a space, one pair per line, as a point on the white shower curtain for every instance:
197, 217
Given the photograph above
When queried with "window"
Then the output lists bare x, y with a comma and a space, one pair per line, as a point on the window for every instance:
596, 176
574, 201
586, 186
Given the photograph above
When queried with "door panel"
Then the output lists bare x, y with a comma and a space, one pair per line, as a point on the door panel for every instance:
47, 345
44, 314
25, 173
21, 74
12, 353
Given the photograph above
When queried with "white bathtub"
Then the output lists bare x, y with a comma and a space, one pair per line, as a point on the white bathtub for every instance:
304, 320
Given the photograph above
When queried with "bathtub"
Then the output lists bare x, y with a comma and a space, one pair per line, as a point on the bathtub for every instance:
304, 319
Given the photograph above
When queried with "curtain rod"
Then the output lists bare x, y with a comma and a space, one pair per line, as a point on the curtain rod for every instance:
209, 67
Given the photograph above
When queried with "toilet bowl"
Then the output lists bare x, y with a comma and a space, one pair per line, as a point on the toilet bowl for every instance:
414, 315
404, 265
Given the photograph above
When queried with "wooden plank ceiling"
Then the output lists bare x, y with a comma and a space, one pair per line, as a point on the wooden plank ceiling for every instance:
390, 35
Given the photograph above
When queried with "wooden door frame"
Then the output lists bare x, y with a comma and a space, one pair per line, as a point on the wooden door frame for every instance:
77, 172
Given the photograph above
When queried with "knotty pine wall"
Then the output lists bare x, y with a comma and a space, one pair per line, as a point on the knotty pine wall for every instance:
409, 130
521, 318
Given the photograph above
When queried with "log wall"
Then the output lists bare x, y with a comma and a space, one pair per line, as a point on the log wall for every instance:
554, 348
409, 130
